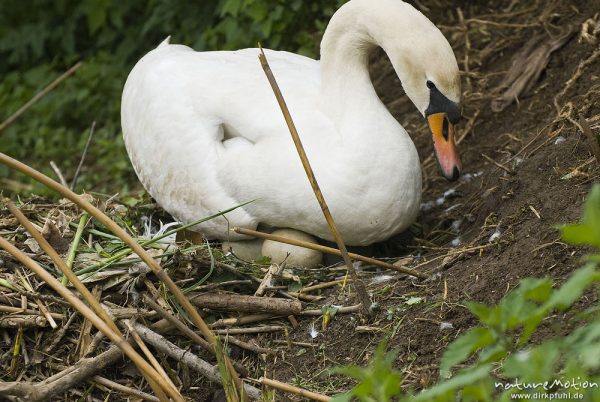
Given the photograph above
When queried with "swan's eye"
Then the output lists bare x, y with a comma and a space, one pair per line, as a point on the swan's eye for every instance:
445, 125
430, 84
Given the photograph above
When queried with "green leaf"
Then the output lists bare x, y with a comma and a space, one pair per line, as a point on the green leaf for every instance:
579, 234
591, 210
345, 397
96, 14
463, 347
533, 365
377, 382
481, 391
588, 232
480, 310
574, 287
469, 376
493, 353
231, 7
414, 300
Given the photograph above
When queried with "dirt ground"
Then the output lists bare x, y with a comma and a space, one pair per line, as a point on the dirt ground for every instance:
527, 168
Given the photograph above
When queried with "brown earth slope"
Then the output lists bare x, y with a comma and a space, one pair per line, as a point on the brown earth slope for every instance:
527, 167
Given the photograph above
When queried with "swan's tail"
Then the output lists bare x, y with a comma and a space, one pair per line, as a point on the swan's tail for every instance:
165, 42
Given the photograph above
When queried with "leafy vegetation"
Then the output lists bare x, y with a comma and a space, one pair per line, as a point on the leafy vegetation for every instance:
500, 361
40, 39
378, 382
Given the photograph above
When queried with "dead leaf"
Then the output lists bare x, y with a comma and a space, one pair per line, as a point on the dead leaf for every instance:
54, 237
527, 66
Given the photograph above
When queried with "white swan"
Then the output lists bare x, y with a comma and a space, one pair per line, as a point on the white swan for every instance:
204, 132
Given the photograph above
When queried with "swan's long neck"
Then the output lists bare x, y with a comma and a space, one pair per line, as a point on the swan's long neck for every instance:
345, 79
406, 35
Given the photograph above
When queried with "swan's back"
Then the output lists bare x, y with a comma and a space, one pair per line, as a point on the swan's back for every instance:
209, 109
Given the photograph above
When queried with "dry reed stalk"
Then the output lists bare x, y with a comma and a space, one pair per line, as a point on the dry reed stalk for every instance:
323, 285
115, 337
243, 320
330, 250
498, 164
127, 239
83, 155
123, 389
23, 321
149, 355
61, 265
68, 273
307, 297
251, 330
293, 390
360, 287
19, 310
194, 362
58, 173
594, 140
248, 346
39, 96
340, 310
173, 321
62, 381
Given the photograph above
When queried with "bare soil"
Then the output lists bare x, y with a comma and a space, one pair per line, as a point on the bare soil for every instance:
527, 169
548, 170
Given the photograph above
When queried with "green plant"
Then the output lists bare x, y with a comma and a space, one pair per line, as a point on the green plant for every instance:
39, 39
378, 382
499, 359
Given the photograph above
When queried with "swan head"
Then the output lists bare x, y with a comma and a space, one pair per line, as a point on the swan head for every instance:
442, 116
421, 55
427, 68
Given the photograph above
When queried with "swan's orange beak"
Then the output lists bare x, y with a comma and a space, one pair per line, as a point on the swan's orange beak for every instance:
445, 147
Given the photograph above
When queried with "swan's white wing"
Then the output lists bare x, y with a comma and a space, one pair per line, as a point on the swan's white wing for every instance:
211, 123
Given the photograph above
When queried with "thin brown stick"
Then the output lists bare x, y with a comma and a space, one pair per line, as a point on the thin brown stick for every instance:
164, 326
58, 173
90, 315
23, 321
39, 95
253, 304
330, 250
324, 285
136, 337
19, 310
177, 323
133, 245
123, 389
83, 155
306, 297
58, 261
194, 362
293, 390
340, 310
61, 265
247, 319
62, 381
361, 289
248, 346
501, 166
594, 140
185, 330
251, 330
